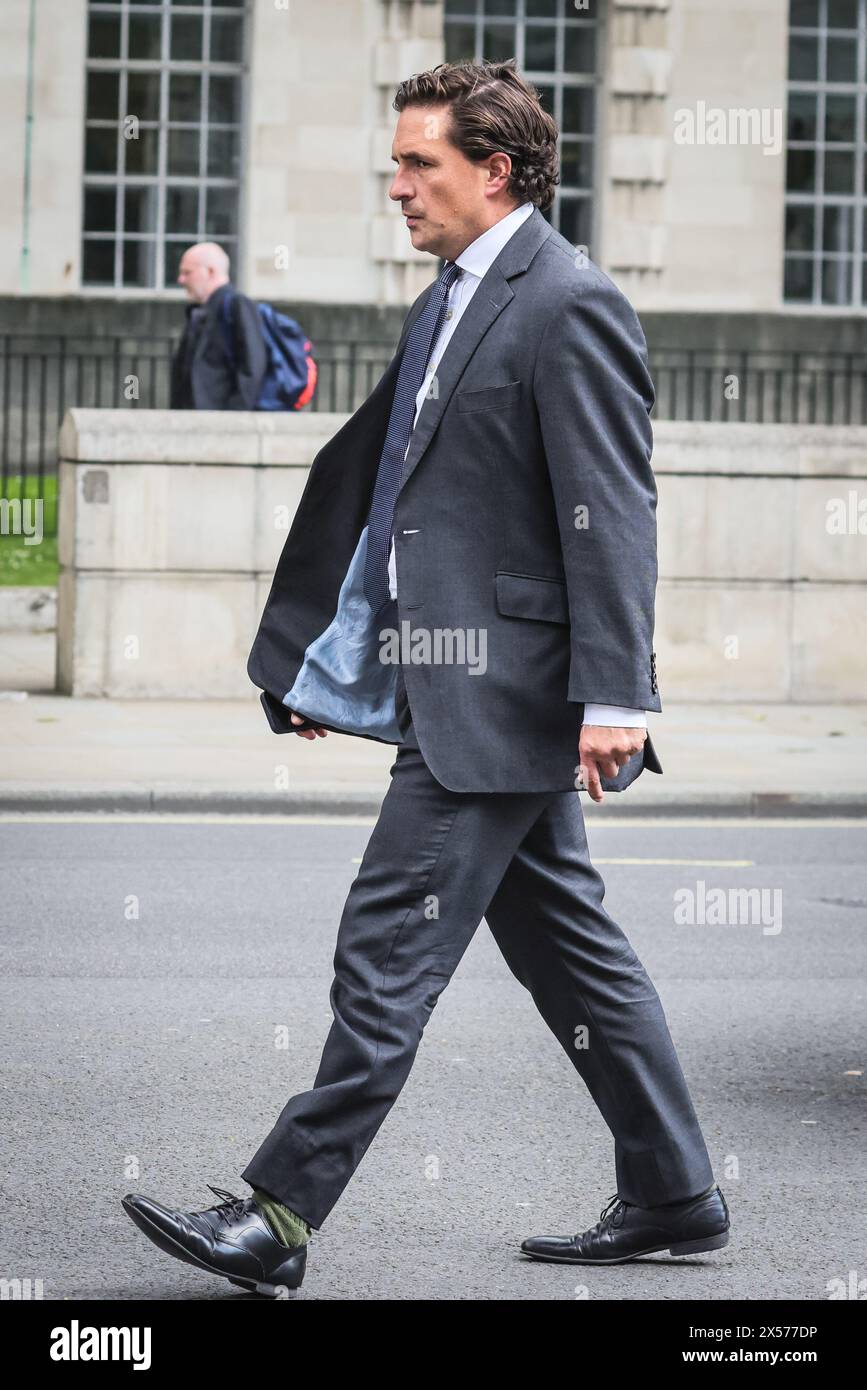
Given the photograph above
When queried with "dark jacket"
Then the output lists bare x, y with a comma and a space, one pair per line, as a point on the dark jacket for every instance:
203, 376
542, 409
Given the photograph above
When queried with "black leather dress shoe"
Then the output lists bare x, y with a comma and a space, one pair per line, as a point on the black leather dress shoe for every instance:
232, 1239
625, 1232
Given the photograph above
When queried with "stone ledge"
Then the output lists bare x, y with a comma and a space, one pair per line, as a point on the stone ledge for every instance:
194, 436
798, 451
263, 440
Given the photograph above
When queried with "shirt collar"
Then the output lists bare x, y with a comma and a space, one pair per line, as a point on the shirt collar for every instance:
479, 256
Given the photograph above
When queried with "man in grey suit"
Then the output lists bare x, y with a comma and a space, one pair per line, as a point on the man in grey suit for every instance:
471, 575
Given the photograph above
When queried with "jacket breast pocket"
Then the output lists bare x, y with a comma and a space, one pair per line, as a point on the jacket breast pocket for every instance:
532, 596
489, 397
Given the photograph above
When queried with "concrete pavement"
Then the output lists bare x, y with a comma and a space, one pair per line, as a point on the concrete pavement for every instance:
137, 755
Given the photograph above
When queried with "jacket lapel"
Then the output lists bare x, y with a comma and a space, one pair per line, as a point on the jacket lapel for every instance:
490, 299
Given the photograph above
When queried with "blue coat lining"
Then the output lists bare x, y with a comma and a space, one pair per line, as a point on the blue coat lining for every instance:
342, 681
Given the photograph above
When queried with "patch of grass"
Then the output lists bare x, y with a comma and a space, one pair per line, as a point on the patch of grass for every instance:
28, 564
21, 563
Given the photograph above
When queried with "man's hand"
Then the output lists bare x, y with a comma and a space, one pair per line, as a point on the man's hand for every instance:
307, 733
602, 752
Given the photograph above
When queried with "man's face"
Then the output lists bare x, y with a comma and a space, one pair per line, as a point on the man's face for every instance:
451, 199
196, 277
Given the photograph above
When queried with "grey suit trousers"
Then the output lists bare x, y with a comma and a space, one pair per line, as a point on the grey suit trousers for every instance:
438, 862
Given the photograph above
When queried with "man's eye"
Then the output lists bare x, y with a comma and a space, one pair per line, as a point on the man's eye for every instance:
422, 162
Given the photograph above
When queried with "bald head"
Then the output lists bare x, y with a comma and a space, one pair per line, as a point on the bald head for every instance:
203, 269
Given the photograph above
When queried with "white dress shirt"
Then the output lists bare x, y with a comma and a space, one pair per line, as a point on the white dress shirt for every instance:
474, 262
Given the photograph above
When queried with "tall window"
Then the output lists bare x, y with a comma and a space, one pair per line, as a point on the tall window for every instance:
825, 170
556, 46
162, 136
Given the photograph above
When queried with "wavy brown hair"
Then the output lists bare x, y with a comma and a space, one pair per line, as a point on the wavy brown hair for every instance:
493, 110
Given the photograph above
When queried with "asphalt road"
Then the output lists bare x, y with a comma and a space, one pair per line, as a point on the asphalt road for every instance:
147, 963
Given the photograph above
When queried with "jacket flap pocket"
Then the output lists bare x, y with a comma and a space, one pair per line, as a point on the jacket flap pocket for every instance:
531, 596
489, 397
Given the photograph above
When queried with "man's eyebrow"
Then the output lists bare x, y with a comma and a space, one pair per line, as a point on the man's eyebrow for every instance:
413, 154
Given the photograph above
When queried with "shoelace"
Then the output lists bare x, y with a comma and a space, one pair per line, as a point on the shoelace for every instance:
235, 1207
610, 1212
616, 1207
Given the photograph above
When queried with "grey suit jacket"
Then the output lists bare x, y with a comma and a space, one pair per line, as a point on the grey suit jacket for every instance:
525, 534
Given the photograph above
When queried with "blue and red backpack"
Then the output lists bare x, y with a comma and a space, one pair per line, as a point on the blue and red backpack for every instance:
290, 376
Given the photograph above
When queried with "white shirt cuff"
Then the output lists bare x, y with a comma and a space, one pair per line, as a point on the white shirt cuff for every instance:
615, 716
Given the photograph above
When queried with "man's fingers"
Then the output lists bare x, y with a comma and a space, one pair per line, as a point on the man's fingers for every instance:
591, 779
609, 749
307, 733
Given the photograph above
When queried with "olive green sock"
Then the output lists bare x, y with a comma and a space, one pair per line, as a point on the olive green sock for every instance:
289, 1228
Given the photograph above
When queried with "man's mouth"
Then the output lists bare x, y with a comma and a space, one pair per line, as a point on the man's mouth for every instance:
412, 217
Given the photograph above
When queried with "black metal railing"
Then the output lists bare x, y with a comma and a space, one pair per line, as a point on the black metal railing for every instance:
760, 387
42, 375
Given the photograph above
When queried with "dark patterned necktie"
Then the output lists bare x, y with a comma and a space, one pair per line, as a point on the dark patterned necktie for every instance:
413, 366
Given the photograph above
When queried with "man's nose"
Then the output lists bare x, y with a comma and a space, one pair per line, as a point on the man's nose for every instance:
399, 190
